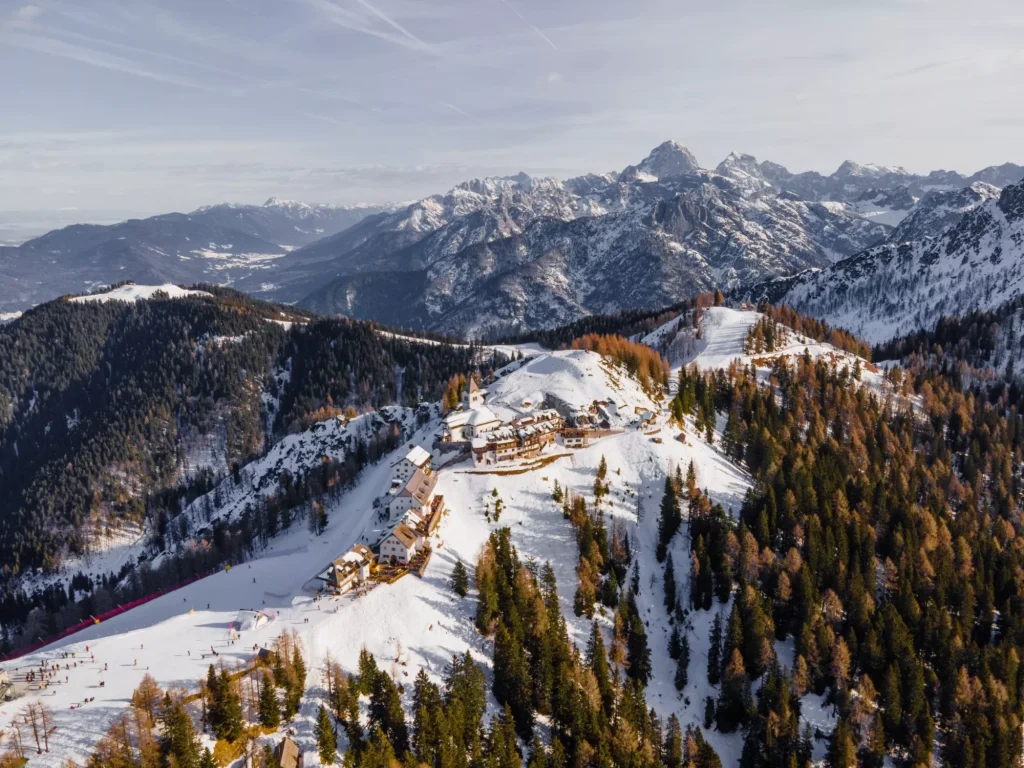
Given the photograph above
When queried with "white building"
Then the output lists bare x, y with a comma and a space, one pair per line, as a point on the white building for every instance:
349, 570
416, 495
473, 420
417, 458
400, 545
473, 397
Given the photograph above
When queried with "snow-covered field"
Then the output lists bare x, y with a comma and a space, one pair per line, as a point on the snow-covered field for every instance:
131, 293
576, 377
723, 341
418, 623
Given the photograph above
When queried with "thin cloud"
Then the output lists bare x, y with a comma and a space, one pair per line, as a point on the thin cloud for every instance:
391, 22
455, 109
61, 49
522, 18
345, 18
96, 41
25, 15
327, 119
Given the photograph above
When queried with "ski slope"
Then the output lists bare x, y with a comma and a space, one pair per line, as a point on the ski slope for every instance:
414, 623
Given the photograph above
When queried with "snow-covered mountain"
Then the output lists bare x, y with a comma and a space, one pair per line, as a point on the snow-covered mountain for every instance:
420, 622
940, 209
173, 248
219, 244
516, 252
509, 254
287, 222
851, 180
898, 287
666, 161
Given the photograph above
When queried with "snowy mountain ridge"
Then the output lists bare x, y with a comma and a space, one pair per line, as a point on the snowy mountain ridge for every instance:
419, 623
898, 287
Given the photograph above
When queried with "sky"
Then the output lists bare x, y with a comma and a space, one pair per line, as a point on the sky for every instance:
140, 106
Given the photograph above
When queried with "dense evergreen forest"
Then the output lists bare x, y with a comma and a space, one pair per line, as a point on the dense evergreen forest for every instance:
627, 323
980, 352
102, 404
887, 542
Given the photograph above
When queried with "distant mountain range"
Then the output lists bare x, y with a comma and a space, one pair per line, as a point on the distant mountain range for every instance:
499, 255
904, 285
216, 244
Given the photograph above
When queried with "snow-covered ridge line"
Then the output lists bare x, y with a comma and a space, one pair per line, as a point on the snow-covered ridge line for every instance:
132, 293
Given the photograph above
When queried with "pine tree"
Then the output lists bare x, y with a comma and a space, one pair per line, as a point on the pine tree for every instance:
682, 664
597, 660
367, 671
326, 739
670, 519
638, 655
842, 747
715, 651
179, 740
387, 714
214, 704
269, 709
675, 642
670, 583
460, 579
672, 752
232, 725
378, 752
207, 761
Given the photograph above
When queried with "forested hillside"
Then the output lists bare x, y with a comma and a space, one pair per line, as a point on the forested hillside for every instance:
884, 541
104, 406
980, 352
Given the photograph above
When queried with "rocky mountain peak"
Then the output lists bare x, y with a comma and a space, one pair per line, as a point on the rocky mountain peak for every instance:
666, 160
744, 171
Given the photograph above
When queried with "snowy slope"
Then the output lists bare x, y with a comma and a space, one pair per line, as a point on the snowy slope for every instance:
893, 289
577, 378
132, 293
414, 622
722, 341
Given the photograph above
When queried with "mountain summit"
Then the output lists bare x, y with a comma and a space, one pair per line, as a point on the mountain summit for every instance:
667, 160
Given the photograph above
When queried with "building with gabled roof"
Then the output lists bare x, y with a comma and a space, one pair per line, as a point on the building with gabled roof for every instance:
416, 495
522, 438
473, 397
349, 570
287, 754
400, 545
402, 469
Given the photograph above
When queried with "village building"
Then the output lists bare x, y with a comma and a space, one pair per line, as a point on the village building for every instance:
349, 570
474, 420
522, 438
575, 438
415, 495
466, 425
287, 754
417, 458
401, 545
646, 417
473, 397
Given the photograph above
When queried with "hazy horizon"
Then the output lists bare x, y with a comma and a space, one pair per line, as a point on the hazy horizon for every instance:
151, 108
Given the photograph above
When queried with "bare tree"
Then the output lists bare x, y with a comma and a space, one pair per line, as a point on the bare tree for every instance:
47, 724
30, 716
147, 696
17, 745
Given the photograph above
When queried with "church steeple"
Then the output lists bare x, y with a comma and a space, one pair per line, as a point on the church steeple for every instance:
473, 397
